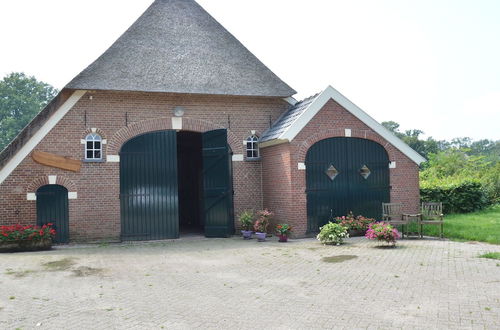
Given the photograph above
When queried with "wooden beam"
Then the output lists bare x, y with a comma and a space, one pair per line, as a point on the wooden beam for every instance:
52, 160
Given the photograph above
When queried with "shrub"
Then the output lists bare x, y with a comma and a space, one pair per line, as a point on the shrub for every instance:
354, 223
263, 220
491, 183
455, 176
382, 231
246, 219
28, 233
332, 233
457, 196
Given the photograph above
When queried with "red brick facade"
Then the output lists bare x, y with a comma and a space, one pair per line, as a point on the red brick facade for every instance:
284, 192
118, 116
274, 182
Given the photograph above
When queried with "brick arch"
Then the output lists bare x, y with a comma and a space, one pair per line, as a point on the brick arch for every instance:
337, 132
44, 180
98, 131
160, 124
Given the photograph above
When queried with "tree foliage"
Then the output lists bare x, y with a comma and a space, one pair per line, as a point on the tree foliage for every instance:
21, 98
412, 138
459, 173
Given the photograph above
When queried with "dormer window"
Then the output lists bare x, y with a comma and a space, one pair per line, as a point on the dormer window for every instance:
93, 147
252, 147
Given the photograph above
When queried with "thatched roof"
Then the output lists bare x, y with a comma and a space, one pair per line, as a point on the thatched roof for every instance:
176, 46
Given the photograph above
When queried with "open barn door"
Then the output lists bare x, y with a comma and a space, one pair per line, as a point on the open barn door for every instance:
148, 187
217, 184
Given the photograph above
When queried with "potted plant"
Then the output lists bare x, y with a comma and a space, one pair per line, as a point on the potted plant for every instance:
356, 226
332, 234
382, 231
283, 230
246, 219
260, 226
26, 238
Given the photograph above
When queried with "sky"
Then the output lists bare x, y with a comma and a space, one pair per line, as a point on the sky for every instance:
428, 65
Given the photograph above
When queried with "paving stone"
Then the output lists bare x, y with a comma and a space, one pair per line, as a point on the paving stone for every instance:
237, 284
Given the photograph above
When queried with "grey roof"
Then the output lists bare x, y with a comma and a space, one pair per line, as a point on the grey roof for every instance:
176, 46
287, 119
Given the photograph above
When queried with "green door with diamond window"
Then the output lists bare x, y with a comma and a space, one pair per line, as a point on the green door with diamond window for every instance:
343, 175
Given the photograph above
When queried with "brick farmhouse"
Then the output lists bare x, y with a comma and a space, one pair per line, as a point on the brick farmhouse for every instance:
177, 128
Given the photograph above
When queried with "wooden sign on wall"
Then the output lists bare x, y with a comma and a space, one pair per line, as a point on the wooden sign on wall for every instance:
52, 160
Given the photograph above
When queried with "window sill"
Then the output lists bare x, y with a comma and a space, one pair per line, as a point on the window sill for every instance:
94, 161
252, 159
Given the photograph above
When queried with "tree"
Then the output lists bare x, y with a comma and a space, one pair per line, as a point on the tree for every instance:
392, 126
412, 138
21, 98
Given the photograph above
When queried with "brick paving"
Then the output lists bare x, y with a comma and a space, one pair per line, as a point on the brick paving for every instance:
236, 284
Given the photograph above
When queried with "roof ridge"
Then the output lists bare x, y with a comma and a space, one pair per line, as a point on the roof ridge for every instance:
176, 46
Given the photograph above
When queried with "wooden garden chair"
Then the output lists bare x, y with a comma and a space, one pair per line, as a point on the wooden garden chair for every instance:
392, 213
432, 214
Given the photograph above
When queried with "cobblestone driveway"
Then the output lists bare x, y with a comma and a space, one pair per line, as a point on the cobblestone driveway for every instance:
231, 283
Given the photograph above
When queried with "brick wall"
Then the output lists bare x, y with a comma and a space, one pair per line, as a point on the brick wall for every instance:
331, 121
277, 182
119, 116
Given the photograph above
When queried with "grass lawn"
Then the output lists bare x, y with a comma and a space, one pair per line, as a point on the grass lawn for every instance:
483, 226
491, 255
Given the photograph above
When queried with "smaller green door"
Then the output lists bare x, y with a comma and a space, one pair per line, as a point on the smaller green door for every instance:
52, 207
217, 184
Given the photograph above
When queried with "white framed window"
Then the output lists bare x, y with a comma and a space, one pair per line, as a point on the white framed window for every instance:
252, 143
93, 147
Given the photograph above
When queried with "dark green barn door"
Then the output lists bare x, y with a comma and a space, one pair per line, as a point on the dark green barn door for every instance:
217, 184
148, 187
343, 175
52, 207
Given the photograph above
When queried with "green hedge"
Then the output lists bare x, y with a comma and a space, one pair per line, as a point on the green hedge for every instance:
457, 197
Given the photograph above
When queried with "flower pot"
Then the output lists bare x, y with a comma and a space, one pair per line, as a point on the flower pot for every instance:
26, 245
261, 236
283, 238
356, 232
247, 234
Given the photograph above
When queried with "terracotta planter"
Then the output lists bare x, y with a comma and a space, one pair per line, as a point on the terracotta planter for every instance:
247, 234
25, 245
283, 238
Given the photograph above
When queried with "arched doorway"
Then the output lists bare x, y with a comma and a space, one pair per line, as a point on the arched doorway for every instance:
52, 207
345, 174
176, 182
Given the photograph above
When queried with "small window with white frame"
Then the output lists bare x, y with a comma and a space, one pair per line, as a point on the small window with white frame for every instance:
93, 147
252, 144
